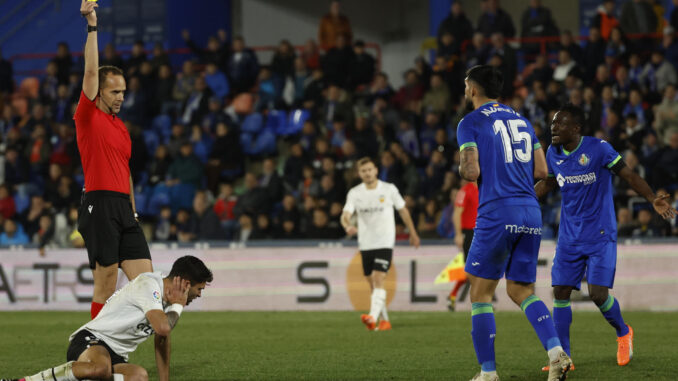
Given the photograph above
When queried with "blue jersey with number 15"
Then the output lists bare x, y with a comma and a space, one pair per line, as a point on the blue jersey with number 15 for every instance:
505, 142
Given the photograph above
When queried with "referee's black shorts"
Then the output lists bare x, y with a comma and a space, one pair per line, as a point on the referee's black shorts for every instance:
377, 259
468, 238
111, 233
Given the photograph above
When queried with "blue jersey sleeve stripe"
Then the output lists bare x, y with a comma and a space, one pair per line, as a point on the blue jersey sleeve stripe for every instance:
466, 145
536, 145
614, 161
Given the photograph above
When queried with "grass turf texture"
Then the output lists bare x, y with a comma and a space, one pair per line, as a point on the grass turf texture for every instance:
336, 346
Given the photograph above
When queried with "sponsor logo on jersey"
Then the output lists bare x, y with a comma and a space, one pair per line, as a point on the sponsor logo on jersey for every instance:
375, 209
156, 295
584, 160
559, 162
586, 179
522, 229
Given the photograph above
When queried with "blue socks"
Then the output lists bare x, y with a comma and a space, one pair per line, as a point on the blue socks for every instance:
612, 313
540, 318
562, 318
483, 332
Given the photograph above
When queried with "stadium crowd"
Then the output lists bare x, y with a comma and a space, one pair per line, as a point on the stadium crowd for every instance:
229, 148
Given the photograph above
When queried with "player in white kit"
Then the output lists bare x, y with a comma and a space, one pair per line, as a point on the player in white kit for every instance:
150, 304
373, 202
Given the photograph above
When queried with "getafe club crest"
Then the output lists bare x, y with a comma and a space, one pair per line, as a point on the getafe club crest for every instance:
584, 160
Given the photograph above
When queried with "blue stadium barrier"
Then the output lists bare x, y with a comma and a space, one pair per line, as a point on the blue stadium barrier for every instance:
295, 122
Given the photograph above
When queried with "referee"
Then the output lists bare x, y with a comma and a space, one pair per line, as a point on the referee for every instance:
107, 215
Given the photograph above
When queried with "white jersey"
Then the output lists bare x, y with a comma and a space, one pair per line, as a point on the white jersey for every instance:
376, 220
122, 322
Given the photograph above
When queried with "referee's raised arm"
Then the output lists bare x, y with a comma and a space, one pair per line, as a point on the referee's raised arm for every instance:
90, 81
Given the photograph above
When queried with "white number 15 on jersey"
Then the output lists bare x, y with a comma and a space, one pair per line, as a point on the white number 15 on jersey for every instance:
516, 137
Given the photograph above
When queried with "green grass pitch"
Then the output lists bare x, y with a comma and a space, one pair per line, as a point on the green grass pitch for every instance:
336, 346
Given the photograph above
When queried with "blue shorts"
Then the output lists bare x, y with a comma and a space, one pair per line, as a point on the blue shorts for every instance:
598, 260
506, 241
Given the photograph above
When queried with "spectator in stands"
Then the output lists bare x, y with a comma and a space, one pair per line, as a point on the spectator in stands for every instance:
181, 226
565, 65
196, 104
288, 230
282, 64
185, 168
666, 115
635, 106
263, 229
160, 57
638, 17
408, 97
622, 84
215, 53
380, 88
457, 24
66, 232
361, 66
509, 60
292, 171
111, 57
203, 223
138, 56
44, 237
301, 79
159, 166
320, 228
50, 83
216, 81
605, 19
336, 103
594, 53
390, 169
64, 62
665, 171
541, 71
135, 105
6, 75
38, 151
537, 22
163, 227
311, 55
270, 181
269, 91
184, 83
568, 42
332, 25
493, 20
448, 48
289, 211
223, 208
61, 107
437, 99
243, 66
336, 61
30, 218
477, 51
13, 234
162, 100
428, 220
646, 227
245, 228
254, 201
7, 205
16, 167
625, 223
658, 73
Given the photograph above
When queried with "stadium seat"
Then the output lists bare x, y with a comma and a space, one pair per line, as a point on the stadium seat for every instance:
181, 196
151, 140
140, 202
162, 125
159, 197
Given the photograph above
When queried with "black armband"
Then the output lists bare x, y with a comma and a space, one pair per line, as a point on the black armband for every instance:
618, 167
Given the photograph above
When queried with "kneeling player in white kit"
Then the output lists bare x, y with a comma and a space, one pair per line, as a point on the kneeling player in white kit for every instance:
373, 201
149, 304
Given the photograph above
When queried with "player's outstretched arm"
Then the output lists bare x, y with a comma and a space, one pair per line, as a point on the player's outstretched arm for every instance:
659, 203
469, 168
90, 80
540, 168
544, 187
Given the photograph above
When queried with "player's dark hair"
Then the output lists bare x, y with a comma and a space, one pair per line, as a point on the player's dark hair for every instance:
105, 70
576, 114
191, 268
488, 78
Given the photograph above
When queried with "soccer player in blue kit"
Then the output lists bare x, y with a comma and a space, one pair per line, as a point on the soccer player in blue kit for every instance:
582, 167
499, 149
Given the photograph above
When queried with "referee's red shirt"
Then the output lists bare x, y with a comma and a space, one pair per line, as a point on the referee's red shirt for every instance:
105, 148
467, 198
